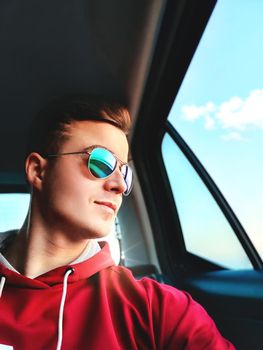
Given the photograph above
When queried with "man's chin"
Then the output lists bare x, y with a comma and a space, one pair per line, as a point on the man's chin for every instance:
100, 234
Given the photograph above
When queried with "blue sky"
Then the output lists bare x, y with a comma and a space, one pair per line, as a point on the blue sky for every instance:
222, 54
219, 108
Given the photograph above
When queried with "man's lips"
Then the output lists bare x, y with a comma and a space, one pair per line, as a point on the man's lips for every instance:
110, 205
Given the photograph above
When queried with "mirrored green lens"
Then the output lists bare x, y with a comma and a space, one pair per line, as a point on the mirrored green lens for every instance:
101, 163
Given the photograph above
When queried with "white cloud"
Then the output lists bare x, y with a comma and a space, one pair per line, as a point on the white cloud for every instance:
209, 122
240, 114
236, 114
194, 112
232, 136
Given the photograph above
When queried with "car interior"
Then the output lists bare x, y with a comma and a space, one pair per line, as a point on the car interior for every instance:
137, 52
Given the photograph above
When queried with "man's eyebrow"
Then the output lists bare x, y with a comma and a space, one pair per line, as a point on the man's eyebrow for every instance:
94, 146
100, 146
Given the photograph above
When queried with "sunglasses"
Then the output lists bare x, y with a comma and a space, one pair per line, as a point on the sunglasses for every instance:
102, 163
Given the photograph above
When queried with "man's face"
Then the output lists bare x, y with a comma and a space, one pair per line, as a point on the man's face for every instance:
73, 200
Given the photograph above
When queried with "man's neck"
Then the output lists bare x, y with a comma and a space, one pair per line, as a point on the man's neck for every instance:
35, 253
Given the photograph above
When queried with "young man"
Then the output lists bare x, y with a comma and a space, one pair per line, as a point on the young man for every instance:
59, 287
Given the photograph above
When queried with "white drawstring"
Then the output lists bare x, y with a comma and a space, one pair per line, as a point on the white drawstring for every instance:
62, 303
2, 284
61, 309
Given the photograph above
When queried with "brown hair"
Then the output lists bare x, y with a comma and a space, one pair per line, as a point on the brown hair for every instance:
48, 129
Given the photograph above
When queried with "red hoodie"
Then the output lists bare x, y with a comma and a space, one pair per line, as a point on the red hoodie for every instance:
100, 307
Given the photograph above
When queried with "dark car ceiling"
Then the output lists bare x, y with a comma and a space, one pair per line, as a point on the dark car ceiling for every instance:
55, 47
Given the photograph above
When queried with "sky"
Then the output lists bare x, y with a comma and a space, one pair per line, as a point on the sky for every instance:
219, 109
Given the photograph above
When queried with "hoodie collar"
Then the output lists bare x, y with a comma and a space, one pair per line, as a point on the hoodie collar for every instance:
82, 270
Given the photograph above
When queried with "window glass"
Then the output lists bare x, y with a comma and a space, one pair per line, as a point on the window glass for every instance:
13, 210
219, 108
206, 231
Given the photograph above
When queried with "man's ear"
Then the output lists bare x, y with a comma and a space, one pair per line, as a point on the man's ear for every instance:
35, 167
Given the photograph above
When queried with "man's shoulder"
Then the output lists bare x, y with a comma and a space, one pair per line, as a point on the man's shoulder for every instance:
123, 277
160, 297
184, 320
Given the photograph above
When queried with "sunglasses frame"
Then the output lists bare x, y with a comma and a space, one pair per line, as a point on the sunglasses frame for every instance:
88, 151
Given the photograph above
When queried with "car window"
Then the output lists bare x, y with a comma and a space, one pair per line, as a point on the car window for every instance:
207, 233
219, 111
13, 210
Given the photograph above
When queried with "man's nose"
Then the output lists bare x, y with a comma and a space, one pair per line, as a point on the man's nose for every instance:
115, 182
